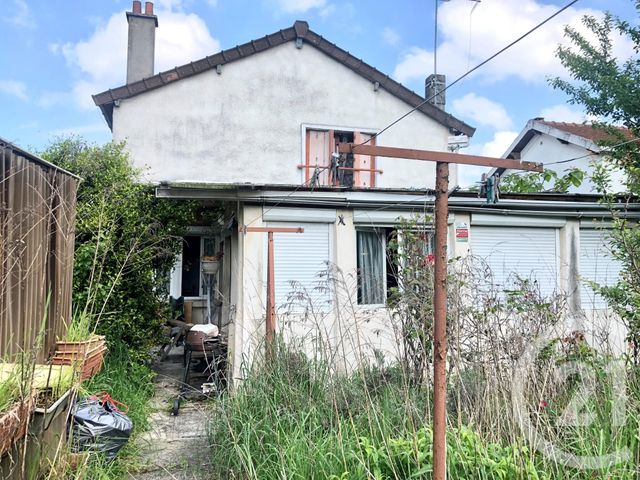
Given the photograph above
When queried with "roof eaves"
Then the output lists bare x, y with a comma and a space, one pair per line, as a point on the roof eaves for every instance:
300, 29
393, 87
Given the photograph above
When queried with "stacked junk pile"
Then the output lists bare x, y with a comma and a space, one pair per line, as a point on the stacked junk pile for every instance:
204, 347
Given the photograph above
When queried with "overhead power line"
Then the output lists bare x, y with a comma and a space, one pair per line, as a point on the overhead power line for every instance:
457, 80
469, 72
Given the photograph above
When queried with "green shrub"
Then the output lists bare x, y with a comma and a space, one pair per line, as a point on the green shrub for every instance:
126, 242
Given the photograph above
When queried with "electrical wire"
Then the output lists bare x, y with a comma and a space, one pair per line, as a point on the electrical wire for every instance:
296, 190
626, 142
456, 81
469, 72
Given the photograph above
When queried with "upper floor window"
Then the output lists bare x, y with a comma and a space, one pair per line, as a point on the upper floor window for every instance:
321, 168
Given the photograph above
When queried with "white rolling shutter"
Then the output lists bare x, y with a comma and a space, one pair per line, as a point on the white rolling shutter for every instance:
299, 258
527, 252
596, 264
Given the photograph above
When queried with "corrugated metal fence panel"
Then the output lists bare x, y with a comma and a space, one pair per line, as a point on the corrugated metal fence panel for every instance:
596, 264
36, 253
530, 253
299, 258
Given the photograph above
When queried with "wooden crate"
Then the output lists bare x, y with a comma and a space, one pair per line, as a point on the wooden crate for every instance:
86, 357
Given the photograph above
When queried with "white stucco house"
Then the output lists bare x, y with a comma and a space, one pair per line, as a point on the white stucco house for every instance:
255, 126
562, 146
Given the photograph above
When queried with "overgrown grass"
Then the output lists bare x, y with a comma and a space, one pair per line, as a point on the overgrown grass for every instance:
81, 327
295, 421
131, 383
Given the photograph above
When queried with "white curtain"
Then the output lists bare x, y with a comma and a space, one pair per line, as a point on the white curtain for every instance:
371, 257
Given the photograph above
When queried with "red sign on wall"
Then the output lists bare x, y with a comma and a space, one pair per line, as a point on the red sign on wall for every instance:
462, 232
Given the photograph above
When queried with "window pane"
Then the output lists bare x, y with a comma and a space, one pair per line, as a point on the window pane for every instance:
191, 267
370, 263
208, 247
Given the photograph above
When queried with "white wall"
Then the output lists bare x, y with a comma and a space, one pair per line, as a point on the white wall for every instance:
351, 332
245, 125
548, 149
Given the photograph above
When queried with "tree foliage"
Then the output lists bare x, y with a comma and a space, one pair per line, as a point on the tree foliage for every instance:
549, 181
126, 242
609, 89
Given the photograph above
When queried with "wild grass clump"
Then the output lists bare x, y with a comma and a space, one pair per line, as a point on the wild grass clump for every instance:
293, 418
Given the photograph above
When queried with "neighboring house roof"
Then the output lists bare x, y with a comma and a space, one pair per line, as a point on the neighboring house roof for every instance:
581, 134
300, 30
585, 130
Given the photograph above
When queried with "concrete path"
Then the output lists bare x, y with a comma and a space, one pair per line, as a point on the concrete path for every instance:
175, 447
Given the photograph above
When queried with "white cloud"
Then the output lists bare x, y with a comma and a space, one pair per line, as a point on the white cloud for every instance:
562, 113
470, 175
52, 99
483, 111
327, 11
390, 36
300, 6
20, 15
499, 144
494, 25
14, 88
416, 63
101, 59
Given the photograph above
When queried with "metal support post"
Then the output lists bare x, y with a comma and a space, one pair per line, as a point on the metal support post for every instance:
440, 323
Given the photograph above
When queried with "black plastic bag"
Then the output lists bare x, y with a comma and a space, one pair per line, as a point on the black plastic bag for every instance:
98, 426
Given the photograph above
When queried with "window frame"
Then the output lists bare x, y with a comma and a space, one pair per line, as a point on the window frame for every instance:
306, 168
381, 232
385, 232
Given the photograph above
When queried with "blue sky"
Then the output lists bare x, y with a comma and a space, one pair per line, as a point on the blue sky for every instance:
56, 53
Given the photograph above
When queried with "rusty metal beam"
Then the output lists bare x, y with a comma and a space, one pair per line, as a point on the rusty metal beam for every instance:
313, 167
271, 229
443, 157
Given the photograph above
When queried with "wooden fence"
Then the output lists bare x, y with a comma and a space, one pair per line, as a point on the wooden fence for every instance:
37, 218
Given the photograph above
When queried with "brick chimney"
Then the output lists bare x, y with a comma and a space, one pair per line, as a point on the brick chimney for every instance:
142, 41
434, 87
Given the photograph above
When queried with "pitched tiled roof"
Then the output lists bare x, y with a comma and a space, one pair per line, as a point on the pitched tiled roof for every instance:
587, 131
300, 30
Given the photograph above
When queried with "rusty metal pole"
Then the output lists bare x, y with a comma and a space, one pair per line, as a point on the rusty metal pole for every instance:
440, 324
270, 320
270, 323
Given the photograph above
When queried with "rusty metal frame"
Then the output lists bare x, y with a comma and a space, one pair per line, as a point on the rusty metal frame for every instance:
442, 159
431, 156
312, 167
270, 320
